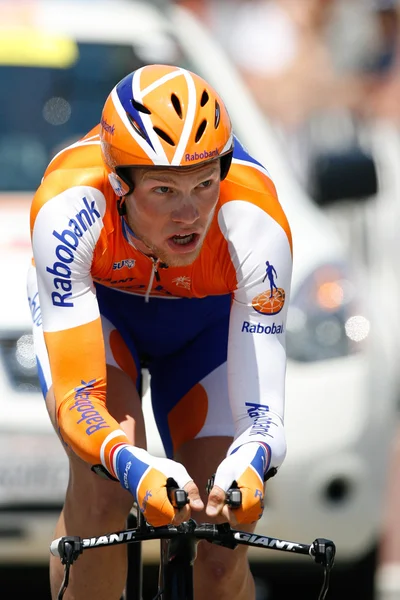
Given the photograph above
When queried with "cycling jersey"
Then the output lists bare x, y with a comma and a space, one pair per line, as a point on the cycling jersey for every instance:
84, 250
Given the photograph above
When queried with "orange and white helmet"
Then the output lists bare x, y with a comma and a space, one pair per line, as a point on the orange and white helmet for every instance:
163, 116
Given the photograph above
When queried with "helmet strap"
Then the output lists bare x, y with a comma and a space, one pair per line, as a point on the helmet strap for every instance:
121, 207
225, 162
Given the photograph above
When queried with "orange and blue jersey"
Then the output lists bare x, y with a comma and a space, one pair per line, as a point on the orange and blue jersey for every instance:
94, 286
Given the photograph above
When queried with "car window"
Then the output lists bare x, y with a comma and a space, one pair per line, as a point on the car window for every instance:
52, 105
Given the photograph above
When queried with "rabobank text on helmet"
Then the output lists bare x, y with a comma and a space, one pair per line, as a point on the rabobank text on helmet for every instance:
65, 252
202, 155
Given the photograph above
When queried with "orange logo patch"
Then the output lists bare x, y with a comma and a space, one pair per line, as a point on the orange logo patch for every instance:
269, 304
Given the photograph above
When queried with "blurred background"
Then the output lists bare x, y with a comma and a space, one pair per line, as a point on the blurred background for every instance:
313, 89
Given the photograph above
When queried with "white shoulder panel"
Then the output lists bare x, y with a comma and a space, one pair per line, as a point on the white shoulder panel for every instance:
66, 231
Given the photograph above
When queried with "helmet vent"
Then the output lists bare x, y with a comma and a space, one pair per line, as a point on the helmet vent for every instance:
164, 136
139, 107
136, 127
217, 114
177, 105
204, 98
200, 130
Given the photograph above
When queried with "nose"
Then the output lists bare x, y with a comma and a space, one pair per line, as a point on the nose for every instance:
187, 212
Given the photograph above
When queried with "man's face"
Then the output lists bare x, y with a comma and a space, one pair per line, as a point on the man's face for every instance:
170, 210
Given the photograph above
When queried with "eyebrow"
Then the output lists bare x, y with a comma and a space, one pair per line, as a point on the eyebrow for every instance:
168, 179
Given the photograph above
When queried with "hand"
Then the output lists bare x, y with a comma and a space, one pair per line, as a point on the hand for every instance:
145, 476
247, 466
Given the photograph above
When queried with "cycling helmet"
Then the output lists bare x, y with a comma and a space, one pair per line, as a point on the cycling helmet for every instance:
163, 116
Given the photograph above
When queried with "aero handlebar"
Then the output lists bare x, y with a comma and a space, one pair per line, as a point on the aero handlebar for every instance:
69, 548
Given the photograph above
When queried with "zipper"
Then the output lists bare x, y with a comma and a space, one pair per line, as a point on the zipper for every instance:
155, 268
154, 273
128, 235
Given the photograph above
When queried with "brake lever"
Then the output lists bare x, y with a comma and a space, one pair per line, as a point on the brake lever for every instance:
178, 497
233, 495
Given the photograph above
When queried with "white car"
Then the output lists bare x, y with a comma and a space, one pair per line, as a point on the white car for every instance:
338, 434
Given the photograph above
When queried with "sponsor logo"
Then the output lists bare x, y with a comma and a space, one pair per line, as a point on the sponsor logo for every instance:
182, 281
129, 263
271, 301
248, 327
202, 155
269, 304
109, 128
259, 494
261, 420
112, 538
116, 184
126, 472
65, 252
88, 413
35, 309
146, 499
113, 281
259, 540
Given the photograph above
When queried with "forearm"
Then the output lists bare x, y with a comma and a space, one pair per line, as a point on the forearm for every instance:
88, 429
265, 427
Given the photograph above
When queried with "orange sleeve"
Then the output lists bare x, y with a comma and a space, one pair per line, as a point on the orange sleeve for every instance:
78, 367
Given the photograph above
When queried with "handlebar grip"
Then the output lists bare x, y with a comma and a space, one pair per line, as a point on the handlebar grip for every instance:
54, 547
178, 497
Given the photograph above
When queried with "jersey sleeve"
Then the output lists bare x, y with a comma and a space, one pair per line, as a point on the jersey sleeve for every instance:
65, 232
260, 249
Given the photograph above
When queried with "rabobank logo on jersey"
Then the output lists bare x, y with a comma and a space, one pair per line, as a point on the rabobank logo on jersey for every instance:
107, 127
262, 421
65, 252
271, 301
88, 413
248, 327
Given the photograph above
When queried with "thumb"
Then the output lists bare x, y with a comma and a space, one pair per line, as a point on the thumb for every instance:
216, 501
195, 501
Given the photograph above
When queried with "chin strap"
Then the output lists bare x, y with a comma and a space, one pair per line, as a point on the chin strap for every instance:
121, 206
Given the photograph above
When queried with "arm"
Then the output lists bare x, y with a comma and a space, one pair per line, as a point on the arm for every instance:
256, 350
65, 231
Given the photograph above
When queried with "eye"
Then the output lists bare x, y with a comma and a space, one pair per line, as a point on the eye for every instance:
162, 189
206, 184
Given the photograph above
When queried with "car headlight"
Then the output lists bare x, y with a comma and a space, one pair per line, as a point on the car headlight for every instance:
324, 319
19, 360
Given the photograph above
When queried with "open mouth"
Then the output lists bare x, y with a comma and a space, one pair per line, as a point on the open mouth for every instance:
183, 239
184, 242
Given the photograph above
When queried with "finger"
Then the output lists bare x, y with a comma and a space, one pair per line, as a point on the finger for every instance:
229, 515
181, 515
195, 501
216, 501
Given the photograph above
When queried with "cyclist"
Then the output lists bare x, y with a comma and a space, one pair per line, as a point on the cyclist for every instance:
150, 237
